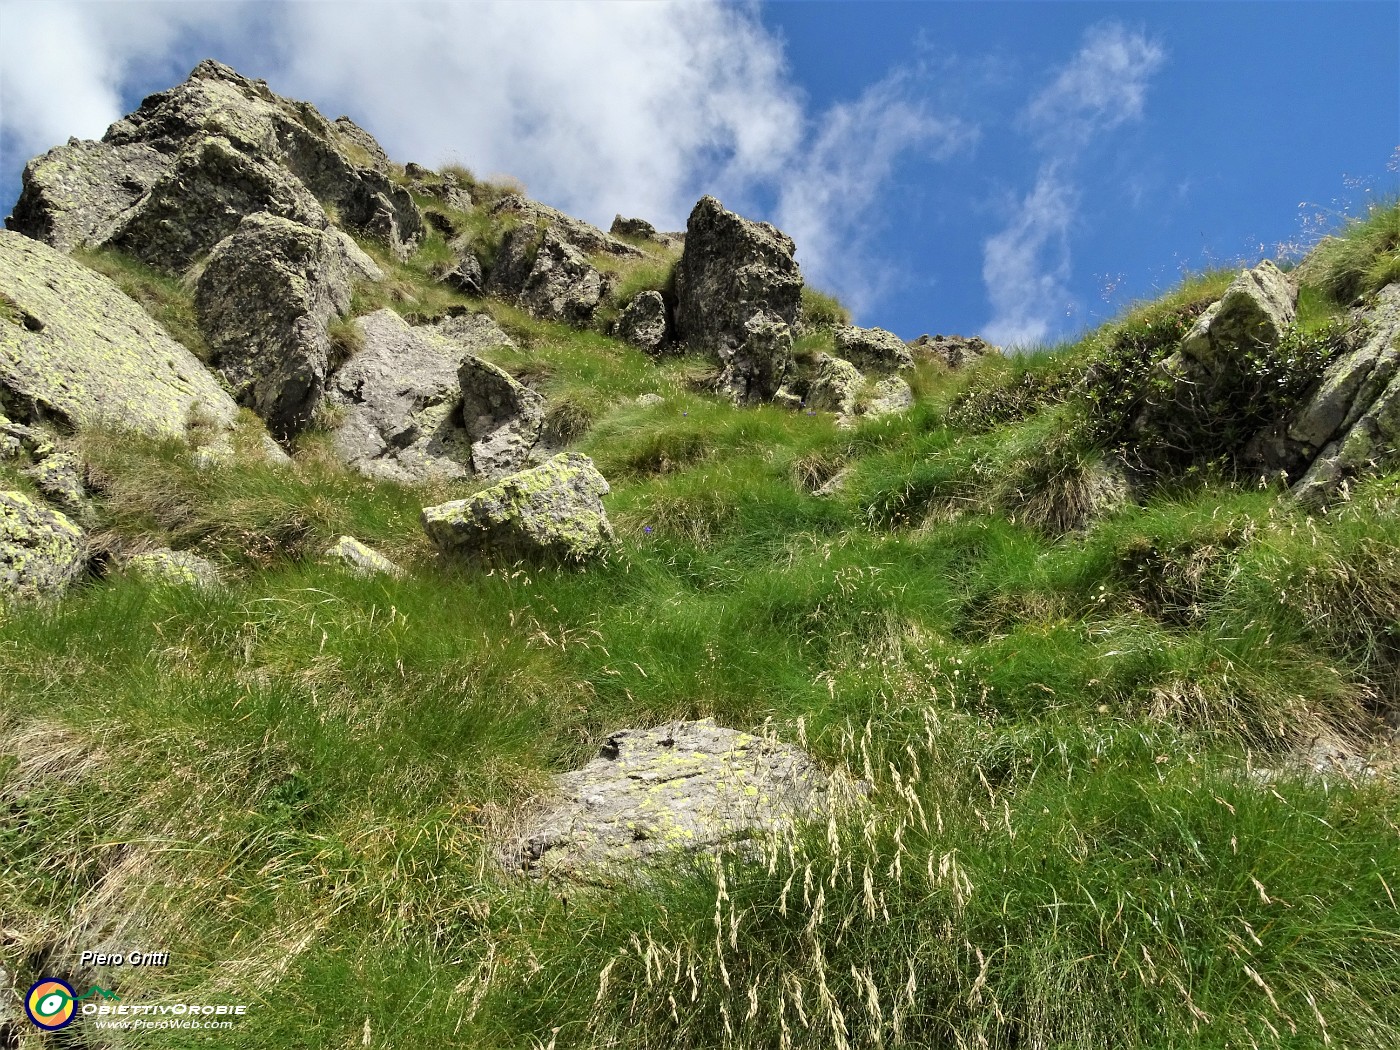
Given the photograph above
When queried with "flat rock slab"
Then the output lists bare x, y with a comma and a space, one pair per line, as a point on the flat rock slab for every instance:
75, 350
688, 786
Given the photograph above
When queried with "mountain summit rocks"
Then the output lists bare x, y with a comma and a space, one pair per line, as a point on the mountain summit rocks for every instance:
170, 180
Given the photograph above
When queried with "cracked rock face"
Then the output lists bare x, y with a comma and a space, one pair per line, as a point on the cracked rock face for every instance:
738, 297
263, 302
399, 398
688, 786
873, 349
76, 351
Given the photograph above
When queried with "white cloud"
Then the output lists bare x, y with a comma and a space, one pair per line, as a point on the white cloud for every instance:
1026, 266
827, 199
1103, 86
600, 108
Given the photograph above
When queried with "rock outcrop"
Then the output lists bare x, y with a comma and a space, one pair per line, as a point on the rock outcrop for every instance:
1351, 423
686, 786
552, 512
872, 349
75, 351
643, 321
171, 179
954, 351
41, 551
59, 477
548, 276
360, 560
738, 294
503, 418
263, 301
399, 402
1254, 313
585, 238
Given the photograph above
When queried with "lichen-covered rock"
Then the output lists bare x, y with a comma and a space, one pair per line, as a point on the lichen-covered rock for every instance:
503, 418
169, 568
361, 560
202, 200
41, 551
553, 512
954, 351
576, 233
75, 350
873, 349
1351, 423
1253, 313
643, 321
399, 399
835, 386
731, 270
549, 277
475, 333
76, 194
756, 368
649, 400
60, 478
686, 786
890, 396
263, 302
79, 193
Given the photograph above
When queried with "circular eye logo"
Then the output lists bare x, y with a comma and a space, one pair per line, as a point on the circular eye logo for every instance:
50, 1004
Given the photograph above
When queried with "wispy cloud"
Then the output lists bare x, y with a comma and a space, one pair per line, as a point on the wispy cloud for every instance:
828, 197
1026, 266
599, 108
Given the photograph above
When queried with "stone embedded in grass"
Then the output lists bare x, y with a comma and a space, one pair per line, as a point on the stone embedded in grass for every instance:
552, 512
501, 415
41, 551
890, 396
955, 351
361, 560
643, 321
170, 568
690, 786
835, 386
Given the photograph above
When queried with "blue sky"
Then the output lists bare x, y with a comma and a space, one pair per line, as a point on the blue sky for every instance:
1016, 170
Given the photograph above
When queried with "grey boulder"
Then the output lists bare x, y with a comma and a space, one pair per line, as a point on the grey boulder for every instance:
643, 321
890, 396
547, 275
170, 568
502, 417
954, 351
552, 513
873, 349
754, 370
1253, 314
399, 400
360, 560
681, 787
263, 302
835, 386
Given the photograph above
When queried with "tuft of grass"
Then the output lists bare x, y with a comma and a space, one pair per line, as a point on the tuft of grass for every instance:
822, 310
1360, 259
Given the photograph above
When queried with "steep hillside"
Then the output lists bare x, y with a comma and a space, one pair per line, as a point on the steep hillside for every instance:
1064, 687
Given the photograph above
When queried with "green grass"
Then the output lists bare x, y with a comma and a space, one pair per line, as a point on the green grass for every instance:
299, 784
1359, 259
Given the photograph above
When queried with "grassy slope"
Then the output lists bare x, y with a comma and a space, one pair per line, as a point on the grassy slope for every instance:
297, 785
